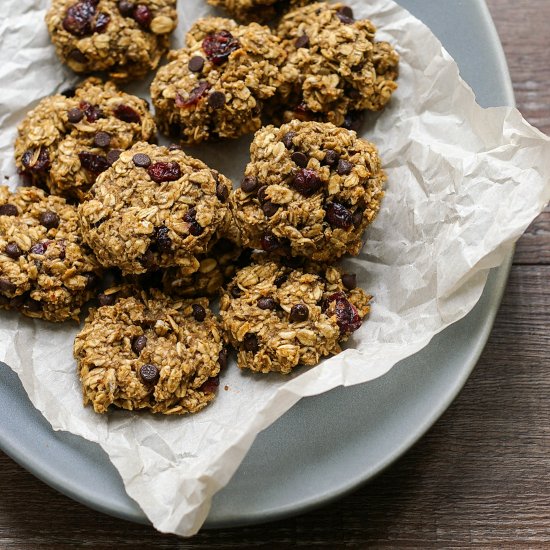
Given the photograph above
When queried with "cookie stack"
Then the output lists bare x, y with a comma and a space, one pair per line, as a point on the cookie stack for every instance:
142, 236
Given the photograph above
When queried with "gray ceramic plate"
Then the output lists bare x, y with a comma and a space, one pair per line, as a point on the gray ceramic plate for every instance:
299, 462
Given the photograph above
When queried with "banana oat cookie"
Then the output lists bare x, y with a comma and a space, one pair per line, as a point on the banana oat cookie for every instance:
46, 271
278, 318
65, 142
150, 352
154, 208
309, 190
335, 68
124, 38
262, 11
215, 87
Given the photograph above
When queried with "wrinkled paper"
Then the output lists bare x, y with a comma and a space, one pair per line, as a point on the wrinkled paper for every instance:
463, 184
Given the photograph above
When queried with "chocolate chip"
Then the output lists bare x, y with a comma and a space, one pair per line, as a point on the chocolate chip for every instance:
190, 215
138, 343
141, 160
113, 155
8, 210
279, 280
102, 139
331, 157
249, 184
196, 64
13, 251
149, 374
299, 158
270, 209
6, 286
174, 147
306, 182
222, 358
267, 303
199, 313
49, 219
344, 167
349, 280
106, 299
287, 140
347, 11
162, 240
125, 8
236, 292
210, 385
126, 113
299, 313
345, 14
337, 215
222, 192
38, 248
74, 115
161, 172
262, 196
78, 56
302, 41
250, 342
357, 217
269, 242
196, 229
216, 100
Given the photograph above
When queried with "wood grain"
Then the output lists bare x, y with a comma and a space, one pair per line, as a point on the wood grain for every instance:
479, 478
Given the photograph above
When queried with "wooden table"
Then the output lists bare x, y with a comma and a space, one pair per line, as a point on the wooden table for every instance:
480, 477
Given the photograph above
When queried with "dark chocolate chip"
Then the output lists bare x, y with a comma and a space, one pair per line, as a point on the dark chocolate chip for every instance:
331, 157
149, 374
216, 100
299, 313
269, 208
236, 292
249, 184
299, 158
190, 215
222, 358
8, 210
13, 251
106, 299
113, 155
125, 8
302, 41
267, 303
138, 343
49, 219
287, 139
222, 192
250, 342
74, 115
6, 286
349, 280
262, 197
162, 240
199, 313
279, 280
38, 248
78, 56
344, 167
141, 160
342, 15
196, 64
102, 139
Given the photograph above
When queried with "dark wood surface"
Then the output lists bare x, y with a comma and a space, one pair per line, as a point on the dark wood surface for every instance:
479, 478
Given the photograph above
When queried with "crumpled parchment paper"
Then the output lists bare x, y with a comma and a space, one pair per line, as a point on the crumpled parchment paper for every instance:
464, 183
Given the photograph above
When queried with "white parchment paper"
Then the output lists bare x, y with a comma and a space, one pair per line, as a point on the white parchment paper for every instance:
464, 183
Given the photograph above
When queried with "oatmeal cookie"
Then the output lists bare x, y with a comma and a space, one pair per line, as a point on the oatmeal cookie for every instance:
310, 190
150, 352
46, 271
65, 142
335, 69
262, 11
124, 38
155, 207
215, 87
216, 268
278, 318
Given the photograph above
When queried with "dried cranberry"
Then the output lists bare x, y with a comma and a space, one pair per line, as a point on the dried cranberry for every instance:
298, 313
337, 215
287, 139
101, 22
41, 163
6, 286
8, 210
79, 17
210, 385
39, 248
142, 15
219, 46
349, 280
306, 182
190, 215
196, 229
270, 209
92, 112
194, 96
162, 240
93, 163
126, 113
222, 358
347, 317
270, 243
106, 299
164, 171
302, 41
